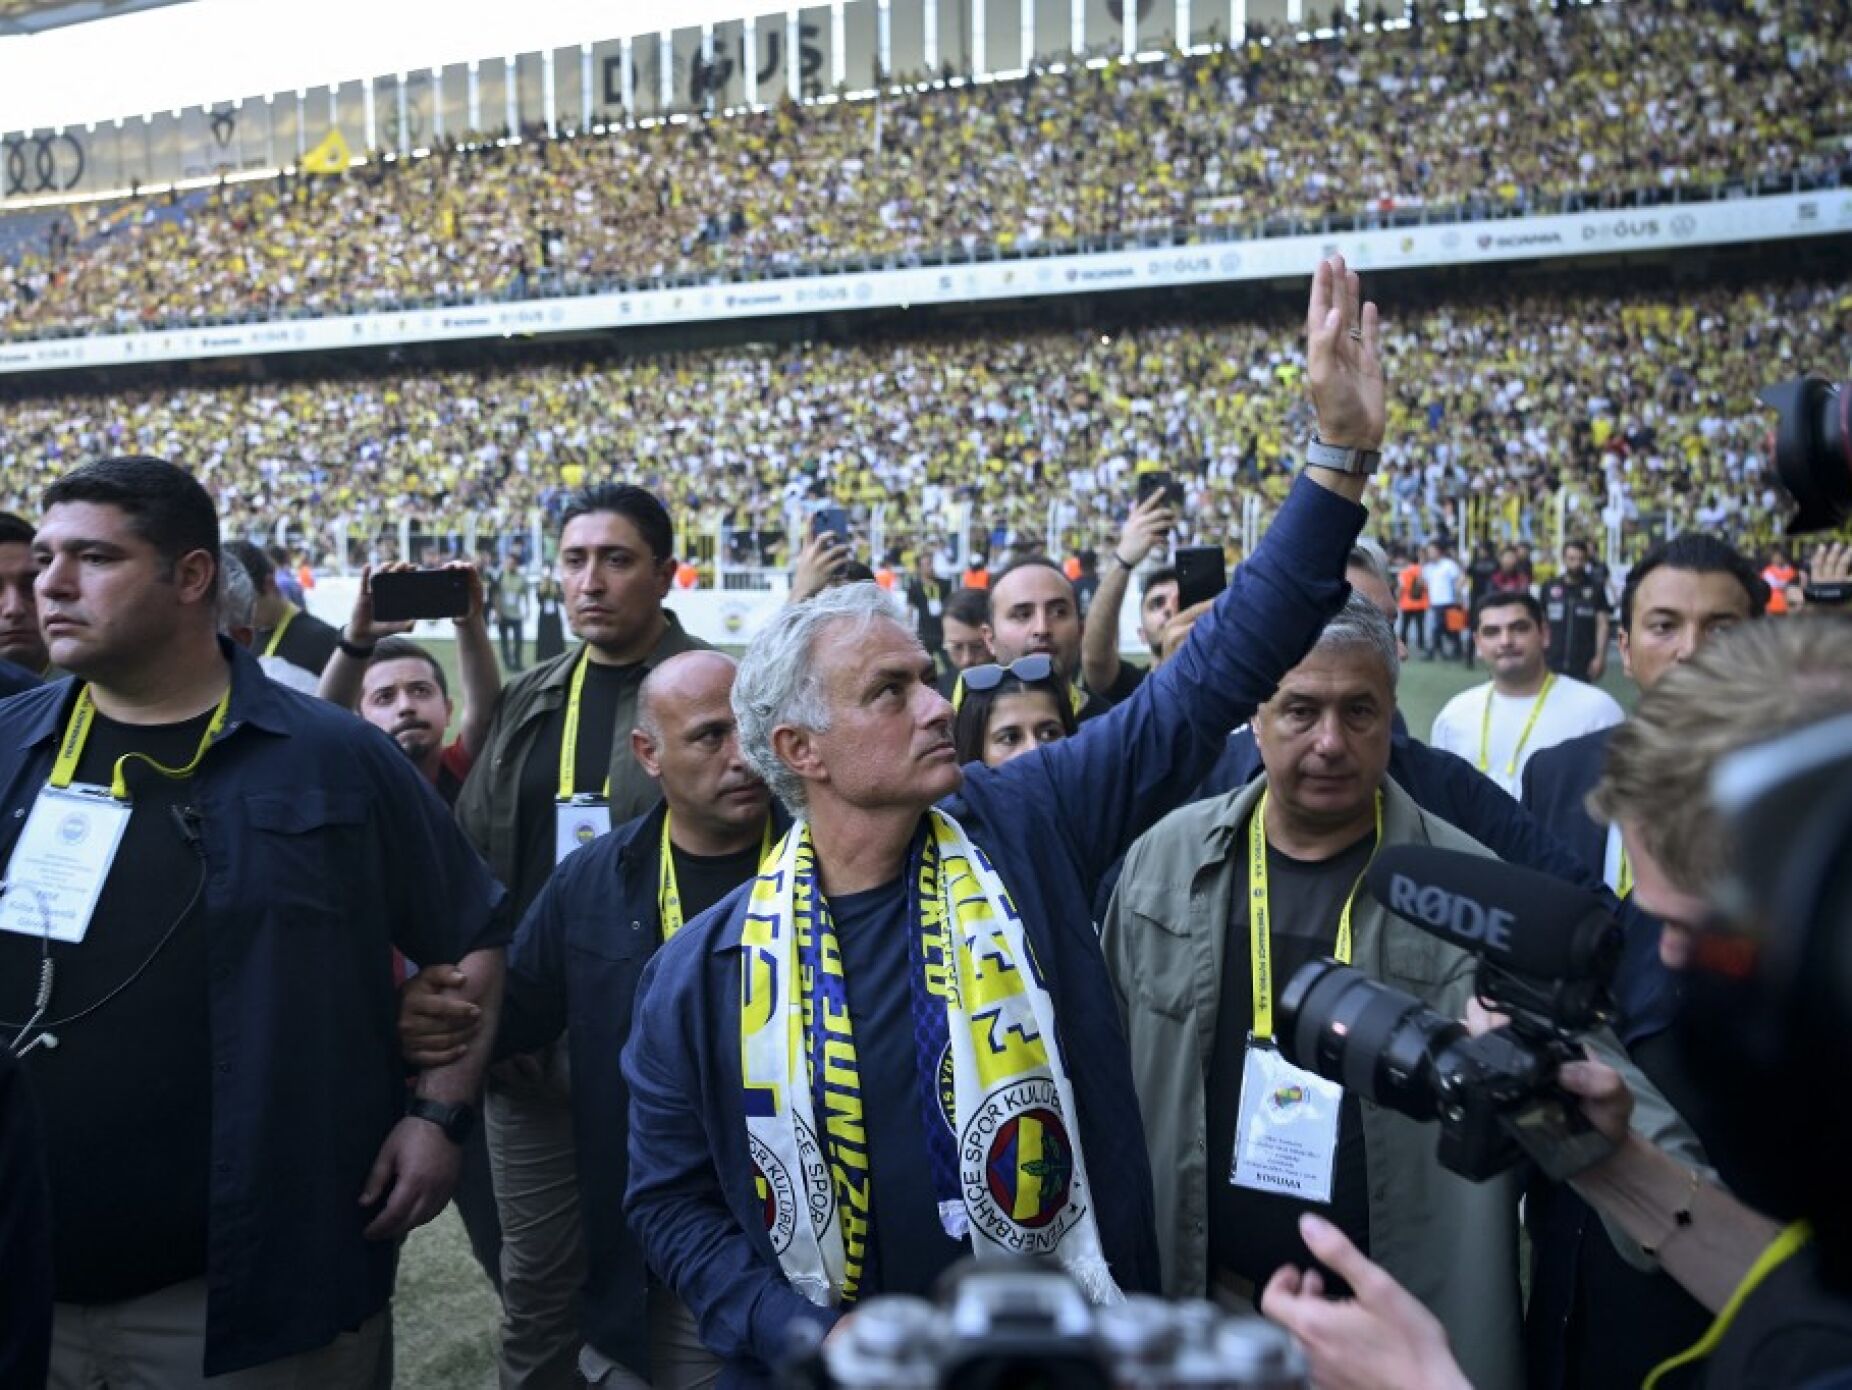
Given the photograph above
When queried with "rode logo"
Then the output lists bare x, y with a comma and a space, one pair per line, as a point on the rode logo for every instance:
1450, 912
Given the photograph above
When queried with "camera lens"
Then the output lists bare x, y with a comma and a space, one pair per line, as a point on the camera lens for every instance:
1812, 444
1377, 1042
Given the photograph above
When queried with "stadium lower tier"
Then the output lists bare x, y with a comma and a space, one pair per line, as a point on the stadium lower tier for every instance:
1647, 398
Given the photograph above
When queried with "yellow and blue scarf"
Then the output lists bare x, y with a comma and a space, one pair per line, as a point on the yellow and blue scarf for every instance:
1001, 1126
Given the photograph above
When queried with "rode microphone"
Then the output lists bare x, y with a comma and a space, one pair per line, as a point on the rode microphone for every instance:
1511, 917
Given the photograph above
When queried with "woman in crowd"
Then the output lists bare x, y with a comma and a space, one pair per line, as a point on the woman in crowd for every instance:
1006, 711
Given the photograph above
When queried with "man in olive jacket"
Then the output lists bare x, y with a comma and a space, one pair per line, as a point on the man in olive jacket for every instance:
1178, 945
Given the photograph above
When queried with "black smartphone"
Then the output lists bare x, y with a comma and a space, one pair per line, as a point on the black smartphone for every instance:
1202, 573
407, 595
1160, 480
834, 520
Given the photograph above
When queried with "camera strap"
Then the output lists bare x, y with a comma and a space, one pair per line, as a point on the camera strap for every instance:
1780, 1250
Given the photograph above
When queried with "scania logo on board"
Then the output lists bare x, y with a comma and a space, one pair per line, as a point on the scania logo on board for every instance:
40, 164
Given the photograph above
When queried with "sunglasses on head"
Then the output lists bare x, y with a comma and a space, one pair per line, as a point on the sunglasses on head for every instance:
1038, 666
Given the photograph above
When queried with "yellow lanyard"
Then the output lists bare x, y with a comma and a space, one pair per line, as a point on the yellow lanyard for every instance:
1260, 914
569, 741
276, 638
669, 897
1625, 886
1485, 728
1780, 1250
77, 734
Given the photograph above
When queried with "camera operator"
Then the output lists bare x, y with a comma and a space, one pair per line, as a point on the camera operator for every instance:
1783, 1302
1221, 900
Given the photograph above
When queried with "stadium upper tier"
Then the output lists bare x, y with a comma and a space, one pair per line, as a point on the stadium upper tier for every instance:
1598, 105
1511, 404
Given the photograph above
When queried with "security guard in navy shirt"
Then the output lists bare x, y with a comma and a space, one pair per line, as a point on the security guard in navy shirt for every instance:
206, 876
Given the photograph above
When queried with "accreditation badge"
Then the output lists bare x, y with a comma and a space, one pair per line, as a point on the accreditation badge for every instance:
577, 823
62, 860
1286, 1132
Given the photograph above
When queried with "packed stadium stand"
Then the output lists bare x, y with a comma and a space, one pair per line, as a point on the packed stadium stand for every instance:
1544, 108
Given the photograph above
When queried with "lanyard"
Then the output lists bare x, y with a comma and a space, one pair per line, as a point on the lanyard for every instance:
1780, 1250
1260, 914
77, 734
669, 896
569, 741
1485, 728
276, 637
1617, 869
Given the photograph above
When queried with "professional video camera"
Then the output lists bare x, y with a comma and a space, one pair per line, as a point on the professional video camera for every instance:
1018, 1326
1812, 445
1547, 951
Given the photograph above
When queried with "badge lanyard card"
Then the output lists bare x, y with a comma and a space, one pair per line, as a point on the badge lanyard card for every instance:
1286, 1127
73, 833
579, 817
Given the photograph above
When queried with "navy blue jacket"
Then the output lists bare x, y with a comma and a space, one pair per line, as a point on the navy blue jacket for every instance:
573, 969
324, 849
15, 678
1051, 823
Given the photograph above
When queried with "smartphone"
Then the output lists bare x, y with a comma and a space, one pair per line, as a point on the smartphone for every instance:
1160, 480
407, 595
1202, 573
834, 520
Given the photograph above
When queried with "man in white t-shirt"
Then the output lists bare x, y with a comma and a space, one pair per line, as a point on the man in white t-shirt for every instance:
1444, 578
1524, 707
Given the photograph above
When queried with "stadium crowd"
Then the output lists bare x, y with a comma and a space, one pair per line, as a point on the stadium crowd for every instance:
1505, 114
1649, 396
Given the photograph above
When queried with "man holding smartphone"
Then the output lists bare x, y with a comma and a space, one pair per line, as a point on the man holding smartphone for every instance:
1149, 525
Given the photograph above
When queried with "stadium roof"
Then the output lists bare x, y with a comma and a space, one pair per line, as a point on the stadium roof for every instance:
214, 51
35, 16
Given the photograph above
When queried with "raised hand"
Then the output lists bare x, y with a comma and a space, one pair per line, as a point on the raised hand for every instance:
1344, 367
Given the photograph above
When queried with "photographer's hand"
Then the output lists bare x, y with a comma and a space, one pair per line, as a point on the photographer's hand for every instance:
1380, 1339
1700, 1235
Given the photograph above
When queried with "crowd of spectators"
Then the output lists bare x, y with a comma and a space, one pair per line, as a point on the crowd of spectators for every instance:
1644, 401
1508, 113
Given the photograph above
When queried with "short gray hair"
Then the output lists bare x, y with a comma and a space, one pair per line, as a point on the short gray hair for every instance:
1360, 623
1367, 555
237, 595
778, 683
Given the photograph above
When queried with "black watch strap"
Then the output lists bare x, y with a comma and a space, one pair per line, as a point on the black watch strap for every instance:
455, 1120
353, 649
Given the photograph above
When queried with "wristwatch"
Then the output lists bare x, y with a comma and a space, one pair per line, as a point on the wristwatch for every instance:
455, 1120
1358, 463
358, 651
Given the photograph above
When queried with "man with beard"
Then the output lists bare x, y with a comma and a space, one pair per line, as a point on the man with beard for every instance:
398, 687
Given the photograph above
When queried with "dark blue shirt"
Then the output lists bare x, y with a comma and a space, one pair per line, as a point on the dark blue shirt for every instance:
324, 849
573, 969
911, 1248
25, 1240
1051, 823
